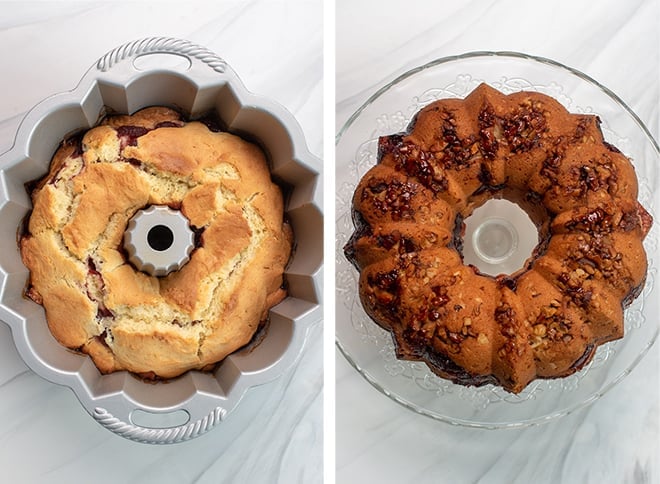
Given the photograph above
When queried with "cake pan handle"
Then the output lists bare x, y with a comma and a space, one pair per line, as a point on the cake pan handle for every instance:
166, 435
120, 62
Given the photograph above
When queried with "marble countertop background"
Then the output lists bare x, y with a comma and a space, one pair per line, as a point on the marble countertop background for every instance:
276, 434
616, 440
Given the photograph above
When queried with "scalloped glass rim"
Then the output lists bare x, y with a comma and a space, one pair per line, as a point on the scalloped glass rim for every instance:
476, 422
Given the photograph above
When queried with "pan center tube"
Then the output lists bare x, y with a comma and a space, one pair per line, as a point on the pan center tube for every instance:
158, 240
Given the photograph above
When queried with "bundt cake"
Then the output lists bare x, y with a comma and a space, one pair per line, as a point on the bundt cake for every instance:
96, 301
543, 321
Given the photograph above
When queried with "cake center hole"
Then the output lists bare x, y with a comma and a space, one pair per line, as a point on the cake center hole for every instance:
499, 238
160, 237
495, 239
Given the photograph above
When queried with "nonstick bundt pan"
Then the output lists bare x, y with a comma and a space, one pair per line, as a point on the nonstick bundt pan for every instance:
198, 81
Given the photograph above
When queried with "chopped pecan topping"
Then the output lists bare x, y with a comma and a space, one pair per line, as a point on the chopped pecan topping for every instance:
540, 330
573, 284
637, 217
592, 177
505, 317
387, 281
393, 197
486, 117
385, 287
389, 144
413, 161
457, 152
549, 325
387, 241
645, 219
629, 221
455, 338
489, 143
581, 130
524, 129
596, 257
440, 297
396, 240
552, 163
598, 221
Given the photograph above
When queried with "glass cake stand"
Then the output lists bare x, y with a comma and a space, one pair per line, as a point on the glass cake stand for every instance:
496, 238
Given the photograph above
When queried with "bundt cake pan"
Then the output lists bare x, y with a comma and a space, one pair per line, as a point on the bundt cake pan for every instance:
124, 81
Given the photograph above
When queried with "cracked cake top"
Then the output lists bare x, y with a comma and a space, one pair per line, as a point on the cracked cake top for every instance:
97, 302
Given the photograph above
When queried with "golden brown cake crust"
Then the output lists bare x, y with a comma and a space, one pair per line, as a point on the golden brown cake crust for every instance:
97, 302
544, 321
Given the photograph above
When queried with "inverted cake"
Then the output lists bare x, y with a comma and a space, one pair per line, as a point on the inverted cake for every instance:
547, 319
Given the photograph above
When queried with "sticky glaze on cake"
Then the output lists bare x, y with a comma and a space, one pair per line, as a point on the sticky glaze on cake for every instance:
544, 321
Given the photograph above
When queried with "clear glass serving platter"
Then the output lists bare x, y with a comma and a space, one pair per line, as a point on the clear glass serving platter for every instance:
370, 350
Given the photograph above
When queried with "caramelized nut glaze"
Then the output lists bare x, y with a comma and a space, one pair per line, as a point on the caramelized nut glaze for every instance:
544, 321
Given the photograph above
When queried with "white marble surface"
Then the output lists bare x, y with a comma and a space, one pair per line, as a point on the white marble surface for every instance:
276, 434
616, 440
